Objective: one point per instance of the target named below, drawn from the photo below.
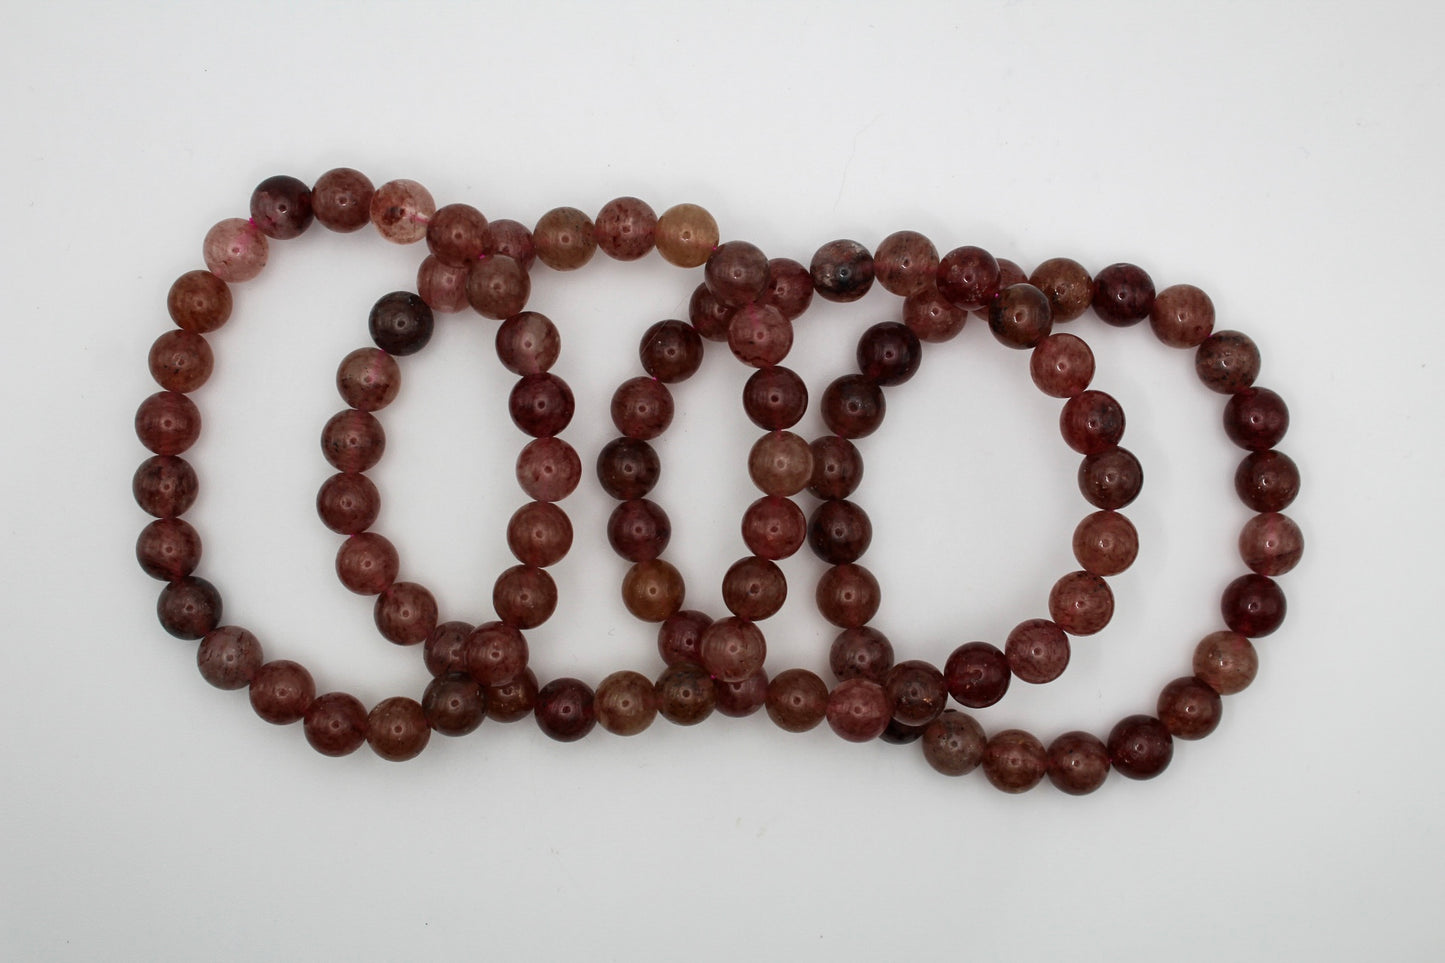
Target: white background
(1285, 157)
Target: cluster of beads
(749, 302)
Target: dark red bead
(628, 468)
(168, 548)
(512, 701)
(168, 423)
(368, 379)
(541, 405)
(737, 273)
(1066, 284)
(540, 534)
(710, 317)
(1061, 365)
(625, 703)
(889, 353)
(1081, 603)
(685, 694)
(495, 653)
(906, 262)
(1226, 662)
(1256, 418)
(229, 657)
(1267, 481)
(1271, 544)
(968, 277)
(739, 699)
(353, 441)
(454, 704)
(566, 709)
(548, 469)
(977, 674)
(759, 335)
(848, 596)
(626, 228)
(1227, 362)
(189, 607)
(406, 613)
(1110, 479)
(775, 398)
(180, 361)
(842, 271)
(165, 486)
(199, 302)
(282, 691)
(732, 649)
(1078, 763)
(954, 743)
(1015, 761)
(512, 240)
(335, 724)
(679, 638)
(790, 287)
(1123, 295)
(754, 588)
(933, 317)
(498, 286)
(1091, 422)
(1019, 317)
(1037, 651)
(1253, 605)
(1189, 708)
(528, 343)
(348, 503)
(456, 234)
(859, 710)
(839, 531)
(837, 467)
(853, 406)
(367, 563)
(1182, 316)
(797, 700)
(281, 207)
(565, 238)
(524, 596)
(341, 200)
(401, 323)
(861, 653)
(642, 408)
(445, 650)
(397, 729)
(916, 690)
(1140, 747)
(671, 351)
(653, 590)
(639, 530)
(1105, 543)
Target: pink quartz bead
(442, 286)
(235, 250)
(168, 423)
(732, 649)
(626, 230)
(1037, 651)
(180, 361)
(368, 379)
(1081, 603)
(341, 200)
(859, 710)
(1182, 316)
(1061, 365)
(528, 343)
(759, 335)
(548, 469)
(905, 263)
(367, 563)
(1271, 544)
(456, 235)
(1226, 661)
(401, 211)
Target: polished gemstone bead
(353, 441)
(639, 530)
(710, 317)
(679, 638)
(401, 323)
(405, 613)
(889, 354)
(842, 271)
(539, 534)
(977, 674)
(686, 235)
(341, 200)
(1140, 747)
(732, 649)
(743, 698)
(566, 709)
(1037, 651)
(1271, 544)
(1015, 761)
(229, 657)
(168, 423)
(1081, 603)
(1110, 479)
(1253, 605)
(397, 729)
(1256, 418)
(859, 710)
(445, 650)
(281, 691)
(837, 467)
(1189, 708)
(367, 563)
(189, 607)
(737, 273)
(456, 234)
(653, 590)
(797, 700)
(235, 250)
(548, 469)
(180, 361)
(839, 531)
(954, 743)
(168, 549)
(565, 238)
(1105, 543)
(1019, 317)
(401, 210)
(1226, 662)
(541, 405)
(775, 398)
(524, 596)
(528, 343)
(626, 230)
(642, 408)
(933, 317)
(906, 263)
(685, 694)
(780, 463)
(454, 704)
(861, 653)
(1267, 481)
(495, 654)
(512, 701)
(853, 406)
(968, 277)
(848, 596)
(335, 724)
(1078, 763)
(916, 691)
(281, 207)
(199, 302)
(1123, 295)
(348, 503)
(1066, 284)
(754, 588)
(1227, 362)
(1182, 316)
(625, 703)
(1091, 422)
(671, 351)
(759, 335)
(165, 486)
(790, 287)
(510, 239)
(368, 379)
(1061, 365)
(627, 468)
(498, 287)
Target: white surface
(1283, 156)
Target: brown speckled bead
(400, 323)
(671, 351)
(1037, 651)
(401, 209)
(1227, 362)
(954, 743)
(642, 408)
(454, 704)
(353, 441)
(732, 649)
(625, 703)
(1253, 605)
(685, 694)
(548, 469)
(626, 230)
(512, 700)
(916, 691)
(1267, 481)
(743, 698)
(905, 263)
(405, 613)
(842, 271)
(759, 335)
(1078, 763)
(524, 596)
(199, 302)
(235, 250)
(367, 563)
(189, 607)
(1081, 603)
(566, 709)
(1110, 479)
(933, 317)
(168, 549)
(754, 588)
(168, 423)
(775, 398)
(889, 354)
(797, 700)
(1271, 544)
(1140, 747)
(528, 343)
(627, 468)
(853, 406)
(710, 317)
(737, 273)
(1091, 422)
(445, 650)
(790, 287)
(774, 527)
(859, 710)
(1015, 761)
(639, 530)
(510, 239)
(837, 467)
(1182, 316)
(1123, 295)
(541, 405)
(839, 531)
(397, 729)
(565, 238)
(348, 503)
(1256, 418)
(653, 590)
(165, 486)
(1019, 317)
(1061, 366)
(968, 277)
(180, 361)
(229, 657)
(281, 207)
(368, 379)
(495, 654)
(686, 235)
(335, 724)
(780, 463)
(1066, 284)
(977, 674)
(282, 691)
(498, 287)
(679, 638)
(848, 596)
(861, 653)
(1105, 543)
(540, 534)
(1189, 708)
(456, 235)
(341, 200)
(1226, 662)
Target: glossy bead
(625, 703)
(839, 532)
(653, 590)
(548, 469)
(736, 273)
(889, 354)
(367, 563)
(1110, 479)
(954, 743)
(401, 210)
(1037, 651)
(759, 335)
(780, 463)
(1256, 418)
(353, 441)
(341, 200)
(454, 704)
(933, 317)
(848, 596)
(566, 709)
(189, 607)
(775, 398)
(229, 657)
(1061, 365)
(1267, 481)
(842, 271)
(740, 699)
(199, 302)
(859, 710)
(1105, 543)
(679, 638)
(754, 588)
(495, 654)
(368, 379)
(1014, 761)
(837, 467)
(180, 361)
(445, 650)
(1078, 763)
(861, 653)
(335, 724)
(282, 691)
(397, 729)
(1253, 605)
(235, 250)
(1123, 295)
(905, 263)
(400, 323)
(498, 287)
(853, 407)
(732, 649)
(524, 596)
(797, 700)
(1081, 603)
(510, 239)
(1227, 362)
(790, 287)
(773, 527)
(686, 235)
(916, 692)
(528, 343)
(626, 230)
(1226, 662)
(1189, 708)
(977, 674)
(565, 238)
(1091, 422)
(642, 408)
(968, 277)
(406, 613)
(1140, 747)
(442, 286)
(513, 700)
(1019, 317)
(897, 734)
(168, 423)
(1182, 316)
(685, 694)
(541, 405)
(539, 534)
(710, 317)
(639, 530)
(1271, 544)
(627, 468)
(456, 235)
(348, 503)
(671, 351)
(168, 549)
(1066, 284)
(281, 207)
(165, 486)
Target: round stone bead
(740, 699)
(679, 638)
(853, 406)
(1253, 605)
(281, 207)
(1140, 747)
(498, 287)
(282, 691)
(1110, 479)
(368, 379)
(686, 235)
(401, 210)
(642, 408)
(977, 674)
(653, 590)
(353, 441)
(933, 317)
(348, 503)
(1271, 544)
(1227, 362)
(165, 486)
(235, 250)
(199, 302)
(541, 405)
(510, 239)
(773, 527)
(406, 613)
(1256, 418)
(168, 423)
(837, 467)
(1267, 481)
(1226, 662)
(456, 234)
(1123, 295)
(906, 262)
(685, 694)
(1019, 317)
(732, 649)
(454, 704)
(524, 596)
(671, 351)
(566, 709)
(445, 650)
(180, 361)
(1105, 543)
(548, 469)
(842, 271)
(341, 200)
(710, 317)
(1037, 651)
(1061, 365)
(775, 398)
(1078, 763)
(528, 343)
(848, 596)
(1081, 603)
(1091, 422)
(639, 530)
(1014, 761)
(441, 286)
(1189, 708)
(1182, 316)
(790, 287)
(401, 323)
(495, 653)
(625, 703)
(797, 700)
(565, 238)
(367, 563)
(168, 549)
(189, 607)
(968, 277)
(229, 657)
(754, 588)
(861, 653)
(889, 354)
(954, 743)
(759, 335)
(916, 692)
(859, 710)
(839, 532)
(513, 701)
(737, 273)
(1068, 287)
(539, 534)
(397, 729)
(335, 724)
(626, 230)
(780, 463)
(627, 468)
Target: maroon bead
(189, 607)
(759, 335)
(401, 209)
(406, 613)
(1091, 422)
(861, 653)
(1182, 316)
(541, 405)
(954, 743)
(513, 700)
(281, 207)
(335, 724)
(1078, 763)
(495, 654)
(625, 703)
(168, 548)
(671, 351)
(229, 657)
(1081, 603)
(565, 238)
(639, 530)
(628, 468)
(775, 398)
(445, 650)
(566, 709)
(1037, 651)
(839, 532)
(1015, 761)
(977, 674)
(510, 239)
(626, 229)
(859, 710)
(1123, 295)
(539, 534)
(685, 694)
(710, 317)
(797, 700)
(889, 354)
(368, 379)
(790, 287)
(774, 527)
(165, 486)
(1061, 365)
(1226, 662)
(1227, 362)
(842, 271)
(397, 729)
(548, 469)
(1253, 605)
(199, 302)
(454, 705)
(679, 638)
(1271, 544)
(1066, 284)
(916, 691)
(739, 699)
(400, 323)
(180, 361)
(737, 273)
(353, 441)
(168, 423)
(780, 463)
(341, 200)
(1105, 543)
(528, 343)
(897, 734)
(1019, 317)
(653, 590)
(732, 649)
(498, 287)
(642, 408)
(1140, 747)
(282, 691)
(441, 286)
(853, 406)
(456, 234)
(1009, 274)
(1256, 418)
(933, 317)
(524, 596)
(1266, 481)
(367, 563)
(848, 596)
(1110, 479)
(348, 503)
(906, 262)
(754, 588)
(1189, 708)
(968, 277)
(837, 467)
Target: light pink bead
(235, 250)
